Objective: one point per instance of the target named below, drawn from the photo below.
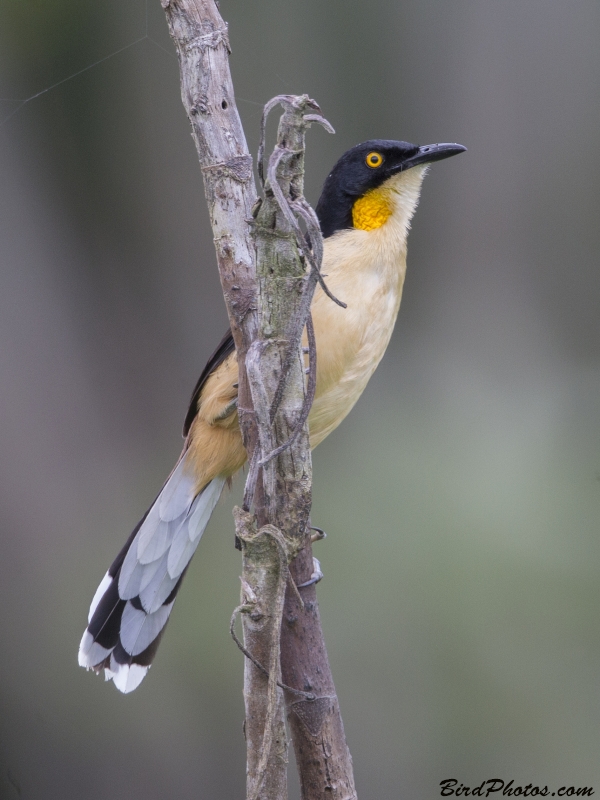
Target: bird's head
(375, 179)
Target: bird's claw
(317, 535)
(316, 576)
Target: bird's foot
(318, 534)
(316, 576)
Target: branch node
(313, 713)
(204, 41)
(238, 168)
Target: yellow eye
(374, 160)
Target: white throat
(403, 192)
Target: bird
(364, 212)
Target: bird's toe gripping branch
(317, 573)
(316, 576)
(318, 535)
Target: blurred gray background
(461, 602)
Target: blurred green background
(462, 594)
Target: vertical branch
(201, 40)
(287, 278)
(322, 755)
(283, 484)
(202, 44)
(268, 309)
(264, 579)
(284, 295)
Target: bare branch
(265, 555)
(322, 755)
(308, 399)
(275, 369)
(202, 44)
(269, 270)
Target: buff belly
(350, 345)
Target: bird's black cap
(366, 166)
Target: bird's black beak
(431, 152)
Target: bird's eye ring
(374, 160)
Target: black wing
(223, 351)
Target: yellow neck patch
(371, 211)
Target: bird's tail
(132, 604)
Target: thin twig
(321, 120)
(299, 205)
(280, 98)
(251, 480)
(243, 609)
(310, 247)
(306, 212)
(295, 590)
(288, 209)
(308, 398)
(260, 401)
(286, 100)
(314, 237)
